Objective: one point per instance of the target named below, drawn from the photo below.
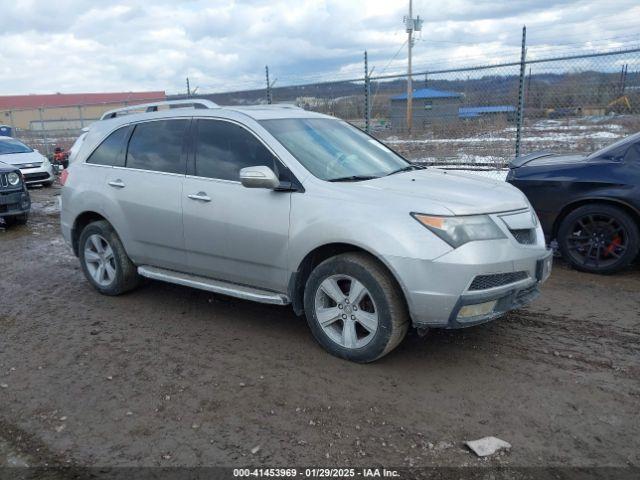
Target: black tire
(393, 315)
(16, 219)
(614, 254)
(126, 277)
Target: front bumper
(436, 290)
(42, 174)
(14, 203)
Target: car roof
(246, 113)
(253, 112)
(9, 140)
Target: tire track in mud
(563, 341)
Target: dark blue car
(589, 204)
(15, 202)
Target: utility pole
(269, 99)
(520, 113)
(188, 89)
(412, 24)
(367, 95)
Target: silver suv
(279, 205)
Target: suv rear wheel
(104, 260)
(598, 238)
(354, 307)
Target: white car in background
(35, 167)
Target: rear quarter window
(110, 151)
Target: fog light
(477, 310)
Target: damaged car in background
(588, 204)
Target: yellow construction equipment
(619, 105)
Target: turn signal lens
(426, 220)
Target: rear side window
(223, 148)
(110, 150)
(157, 146)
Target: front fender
(383, 231)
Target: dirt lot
(167, 375)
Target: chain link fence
(462, 118)
(580, 103)
(46, 129)
(468, 118)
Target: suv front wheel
(354, 307)
(104, 260)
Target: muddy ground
(171, 376)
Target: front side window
(333, 150)
(223, 148)
(11, 145)
(109, 152)
(616, 149)
(157, 146)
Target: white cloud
(83, 45)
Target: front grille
(483, 282)
(4, 182)
(10, 207)
(31, 177)
(524, 236)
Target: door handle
(201, 196)
(117, 183)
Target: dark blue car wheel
(598, 238)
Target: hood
(22, 158)
(546, 158)
(432, 191)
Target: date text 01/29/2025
(315, 472)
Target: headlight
(457, 231)
(13, 178)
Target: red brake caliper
(614, 243)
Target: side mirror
(259, 177)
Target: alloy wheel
(346, 311)
(99, 259)
(597, 240)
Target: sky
(73, 46)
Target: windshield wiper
(408, 168)
(353, 178)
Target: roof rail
(153, 107)
(262, 106)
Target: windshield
(611, 150)
(11, 145)
(334, 150)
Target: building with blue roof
(507, 111)
(428, 93)
(429, 106)
(433, 106)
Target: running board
(215, 286)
